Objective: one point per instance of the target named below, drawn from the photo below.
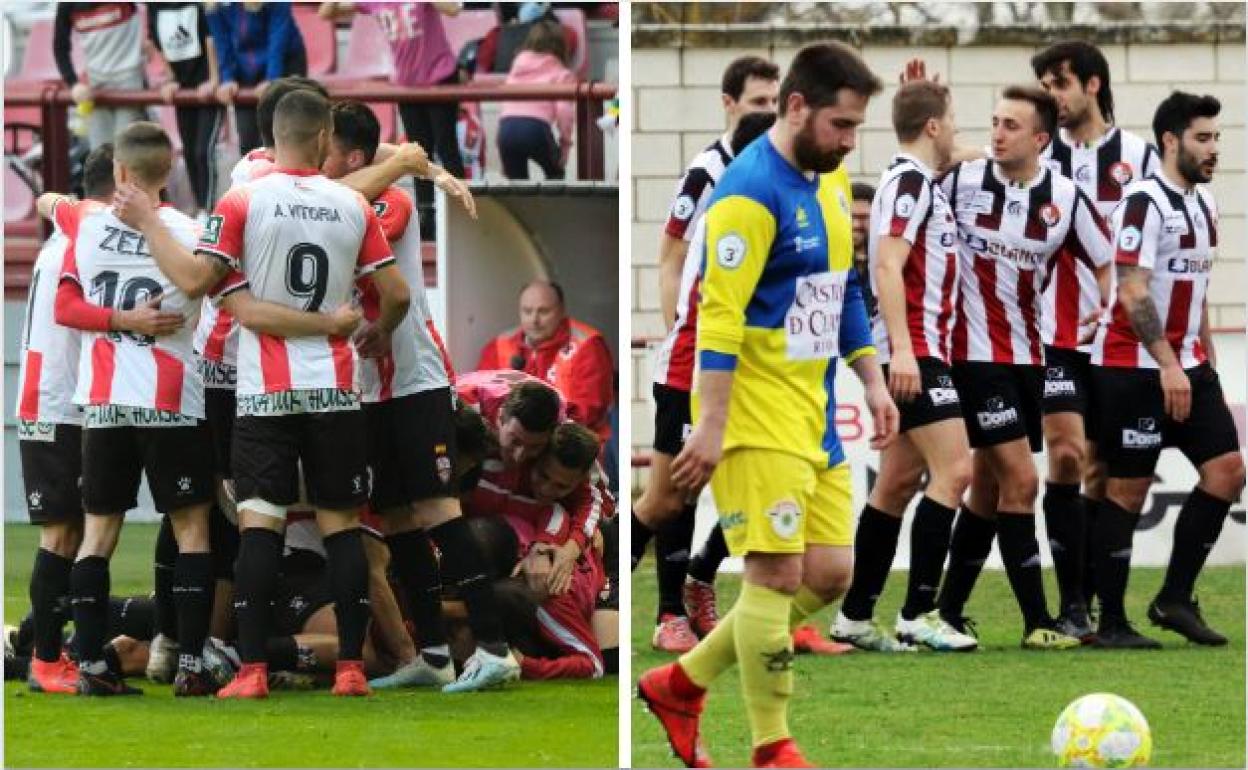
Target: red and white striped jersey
(1102, 170)
(1009, 235)
(111, 263)
(673, 366)
(693, 191)
(487, 389)
(1172, 232)
(297, 239)
(508, 492)
(252, 166)
(415, 361)
(49, 352)
(909, 205)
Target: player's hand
(226, 92)
(207, 88)
(81, 92)
(1177, 390)
(260, 88)
(457, 190)
(885, 421)
(916, 69)
(414, 158)
(344, 320)
(372, 341)
(904, 382)
(133, 206)
(693, 467)
(563, 562)
(167, 91)
(1089, 324)
(148, 319)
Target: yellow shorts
(775, 502)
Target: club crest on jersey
(802, 219)
(785, 518)
(730, 251)
(1083, 173)
(1050, 215)
(212, 229)
(682, 209)
(1121, 172)
(905, 205)
(1129, 239)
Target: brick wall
(675, 83)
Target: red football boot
(700, 604)
(673, 634)
(251, 681)
(349, 679)
(61, 675)
(807, 640)
(677, 713)
(781, 753)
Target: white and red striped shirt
(508, 492)
(909, 205)
(1009, 236)
(1102, 170)
(693, 191)
(415, 362)
(111, 263)
(297, 239)
(1172, 232)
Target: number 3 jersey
(115, 269)
(780, 302)
(298, 239)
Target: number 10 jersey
(298, 239)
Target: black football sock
(255, 583)
(875, 545)
(704, 565)
(929, 545)
(1063, 520)
(1021, 553)
(49, 600)
(463, 566)
(671, 561)
(192, 591)
(416, 566)
(1195, 533)
(1090, 510)
(348, 580)
(1115, 529)
(285, 654)
(969, 546)
(166, 563)
(88, 590)
(641, 538)
(223, 537)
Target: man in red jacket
(568, 354)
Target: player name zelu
(122, 241)
(309, 213)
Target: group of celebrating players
(1046, 291)
(277, 377)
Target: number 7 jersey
(298, 239)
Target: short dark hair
(473, 438)
(1085, 60)
(916, 103)
(356, 128)
(574, 446)
(751, 126)
(1045, 104)
(535, 405)
(273, 94)
(97, 173)
(744, 68)
(1177, 112)
(299, 115)
(145, 150)
(820, 71)
(863, 191)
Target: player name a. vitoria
(309, 213)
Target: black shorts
(609, 596)
(302, 589)
(1068, 382)
(51, 471)
(1001, 402)
(937, 401)
(411, 448)
(1133, 428)
(177, 461)
(267, 452)
(672, 420)
(220, 406)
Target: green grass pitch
(991, 708)
(535, 724)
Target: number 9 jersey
(301, 240)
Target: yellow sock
(714, 655)
(765, 655)
(805, 603)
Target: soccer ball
(1102, 730)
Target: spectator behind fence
(568, 354)
(525, 128)
(183, 45)
(256, 43)
(111, 37)
(422, 57)
(500, 45)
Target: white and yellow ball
(1102, 730)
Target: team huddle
(1047, 291)
(335, 499)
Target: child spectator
(111, 37)
(525, 129)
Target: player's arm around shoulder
(191, 271)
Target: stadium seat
(574, 19)
(368, 53)
(39, 63)
(318, 39)
(466, 27)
